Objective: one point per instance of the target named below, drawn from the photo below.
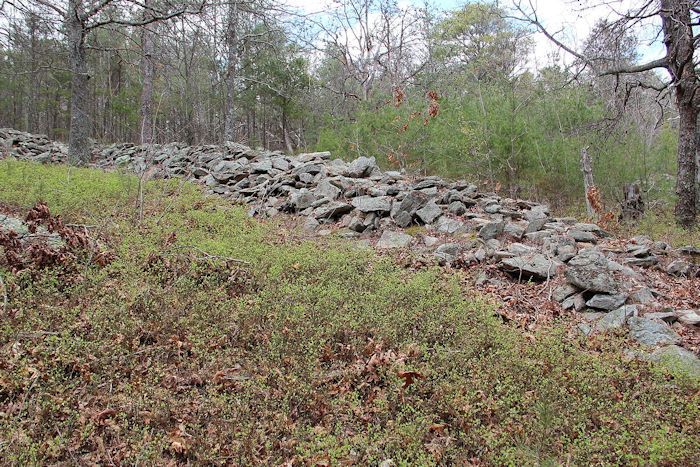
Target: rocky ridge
(613, 284)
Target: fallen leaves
(409, 377)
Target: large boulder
(678, 359)
(648, 332)
(589, 271)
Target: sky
(569, 20)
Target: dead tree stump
(633, 205)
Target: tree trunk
(232, 59)
(78, 144)
(147, 39)
(687, 154)
(633, 206)
(587, 178)
(697, 162)
(678, 38)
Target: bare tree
(79, 19)
(678, 18)
(147, 39)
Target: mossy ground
(310, 354)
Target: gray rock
(391, 239)
(361, 167)
(280, 163)
(688, 317)
(677, 359)
(616, 318)
(403, 219)
(563, 291)
(262, 166)
(309, 168)
(326, 189)
(491, 230)
(552, 245)
(429, 212)
(311, 224)
(588, 228)
(583, 236)
(457, 208)
(413, 202)
(430, 241)
(428, 182)
(646, 262)
(518, 249)
(678, 268)
(643, 296)
(667, 316)
(306, 178)
(535, 225)
(537, 212)
(539, 236)
(648, 332)
(448, 251)
(492, 209)
(537, 266)
(514, 230)
(448, 226)
(607, 302)
(302, 199)
(332, 210)
(356, 224)
(381, 205)
(589, 271)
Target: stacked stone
(452, 221)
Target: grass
(312, 353)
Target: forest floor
(180, 331)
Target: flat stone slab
(391, 239)
(537, 266)
(606, 301)
(381, 204)
(332, 210)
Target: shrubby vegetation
(307, 353)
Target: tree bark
(678, 38)
(147, 40)
(232, 63)
(685, 183)
(587, 178)
(78, 143)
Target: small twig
(26, 395)
(207, 255)
(84, 226)
(4, 295)
(60, 435)
(172, 200)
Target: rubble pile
(613, 284)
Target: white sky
(569, 20)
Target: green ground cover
(306, 353)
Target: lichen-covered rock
(648, 332)
(391, 239)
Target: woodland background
(448, 92)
